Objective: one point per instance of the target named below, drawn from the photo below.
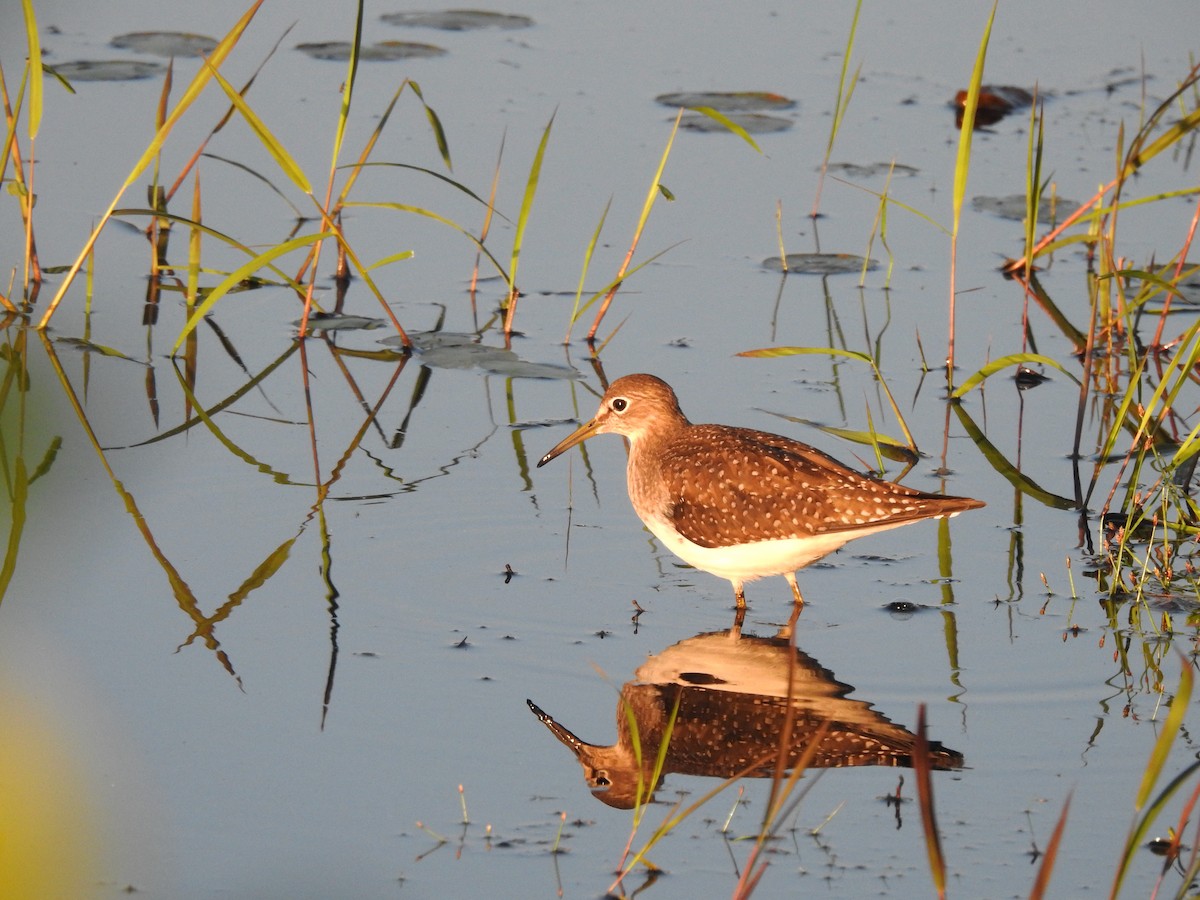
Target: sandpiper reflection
(732, 694)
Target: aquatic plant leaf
(384, 51)
(727, 101)
(870, 170)
(752, 123)
(166, 44)
(320, 321)
(107, 69)
(1012, 206)
(457, 20)
(455, 350)
(820, 264)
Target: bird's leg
(791, 579)
(739, 617)
(739, 595)
(789, 629)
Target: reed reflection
(730, 699)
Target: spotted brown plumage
(739, 503)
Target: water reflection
(730, 700)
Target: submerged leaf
(868, 170)
(820, 264)
(166, 44)
(727, 101)
(384, 51)
(320, 321)
(1050, 210)
(453, 350)
(752, 123)
(457, 19)
(107, 69)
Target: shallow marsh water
(237, 691)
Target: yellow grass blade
(284, 159)
(35, 68)
(1015, 359)
(234, 278)
(198, 83)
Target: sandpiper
(739, 503)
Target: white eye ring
(619, 404)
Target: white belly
(746, 562)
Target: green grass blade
(457, 185)
(1033, 178)
(773, 352)
(219, 235)
(1014, 359)
(962, 164)
(651, 195)
(34, 45)
(348, 87)
(1162, 747)
(1005, 468)
(439, 133)
(388, 260)
(612, 285)
(587, 262)
(840, 105)
(430, 214)
(1154, 767)
(234, 278)
(531, 184)
(894, 202)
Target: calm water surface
(225, 686)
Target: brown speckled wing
(734, 486)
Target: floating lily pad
(164, 43)
(855, 170)
(108, 69)
(452, 350)
(820, 264)
(1050, 210)
(457, 20)
(384, 51)
(754, 123)
(340, 322)
(727, 101)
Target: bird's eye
(620, 404)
